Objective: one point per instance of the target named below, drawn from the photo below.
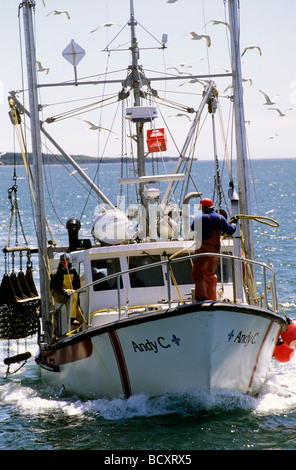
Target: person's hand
(66, 294)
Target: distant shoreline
(10, 158)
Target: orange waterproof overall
(203, 270)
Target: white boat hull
(206, 347)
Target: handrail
(168, 262)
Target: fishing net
(19, 320)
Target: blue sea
(34, 417)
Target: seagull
(193, 80)
(186, 64)
(105, 25)
(228, 88)
(94, 127)
(252, 47)
(2, 153)
(75, 171)
(41, 68)
(180, 115)
(59, 12)
(243, 80)
(282, 114)
(215, 22)
(269, 101)
(180, 72)
(201, 36)
(273, 136)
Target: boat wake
(27, 394)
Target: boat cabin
(117, 280)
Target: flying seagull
(243, 80)
(186, 64)
(215, 22)
(41, 68)
(105, 25)
(180, 115)
(268, 101)
(282, 114)
(59, 12)
(94, 127)
(273, 136)
(201, 36)
(193, 80)
(180, 72)
(252, 47)
(75, 171)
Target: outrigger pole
(37, 166)
(241, 146)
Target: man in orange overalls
(203, 271)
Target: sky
(268, 24)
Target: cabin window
(224, 269)
(147, 277)
(102, 268)
(81, 273)
(182, 271)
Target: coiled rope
(259, 218)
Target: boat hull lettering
(151, 345)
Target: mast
(136, 79)
(241, 147)
(28, 5)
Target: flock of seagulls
(194, 36)
(272, 101)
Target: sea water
(34, 417)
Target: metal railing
(245, 289)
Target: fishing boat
(142, 329)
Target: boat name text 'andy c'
(243, 338)
(154, 346)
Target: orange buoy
(289, 336)
(282, 352)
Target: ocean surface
(34, 417)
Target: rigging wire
(207, 48)
(83, 109)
